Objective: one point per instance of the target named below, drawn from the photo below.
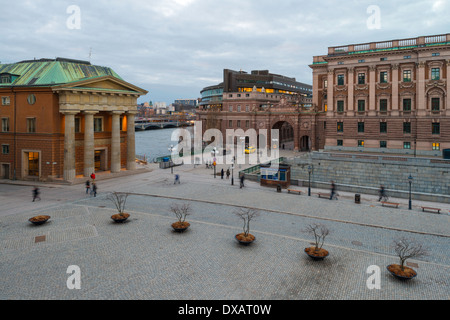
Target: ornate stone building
(65, 118)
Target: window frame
(31, 124)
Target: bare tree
(247, 215)
(181, 211)
(407, 248)
(320, 232)
(119, 199)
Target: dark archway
(305, 143)
(286, 135)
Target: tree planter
(180, 226)
(405, 274)
(120, 217)
(245, 240)
(316, 254)
(38, 220)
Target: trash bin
(278, 188)
(357, 198)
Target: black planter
(120, 220)
(37, 223)
(183, 229)
(399, 276)
(314, 257)
(245, 243)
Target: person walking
(177, 179)
(242, 181)
(228, 173)
(36, 194)
(88, 186)
(333, 191)
(222, 173)
(382, 193)
(94, 189)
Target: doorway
(100, 160)
(5, 171)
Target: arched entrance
(286, 135)
(305, 143)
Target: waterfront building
(63, 118)
(390, 96)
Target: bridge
(142, 125)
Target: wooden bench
(295, 191)
(390, 204)
(324, 195)
(431, 209)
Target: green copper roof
(47, 72)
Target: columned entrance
(101, 163)
(286, 135)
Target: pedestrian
(382, 193)
(333, 191)
(94, 189)
(36, 194)
(93, 176)
(242, 181)
(88, 186)
(228, 173)
(222, 173)
(177, 179)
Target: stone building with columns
(388, 97)
(62, 119)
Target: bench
(295, 191)
(324, 195)
(390, 204)
(431, 209)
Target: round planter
(180, 226)
(119, 218)
(319, 255)
(245, 240)
(399, 276)
(38, 220)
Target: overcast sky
(174, 48)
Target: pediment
(105, 83)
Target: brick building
(64, 118)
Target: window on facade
(361, 105)
(361, 61)
(340, 143)
(436, 146)
(383, 144)
(5, 79)
(230, 108)
(383, 59)
(31, 99)
(239, 123)
(435, 74)
(436, 128)
(383, 77)
(435, 104)
(230, 123)
(340, 79)
(407, 127)
(31, 125)
(247, 123)
(238, 108)
(406, 57)
(406, 75)
(324, 125)
(340, 127)
(5, 124)
(77, 125)
(435, 54)
(5, 101)
(5, 148)
(360, 127)
(360, 143)
(361, 78)
(383, 127)
(406, 104)
(383, 105)
(340, 106)
(247, 108)
(325, 83)
(98, 124)
(406, 145)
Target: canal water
(155, 143)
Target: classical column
(330, 93)
(131, 144)
(394, 102)
(89, 151)
(372, 91)
(420, 103)
(351, 93)
(115, 142)
(446, 104)
(69, 145)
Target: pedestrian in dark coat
(222, 173)
(242, 181)
(228, 173)
(88, 186)
(36, 194)
(94, 189)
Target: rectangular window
(383, 59)
(435, 104)
(406, 57)
(435, 74)
(247, 108)
(5, 124)
(239, 123)
(230, 108)
(406, 75)
(407, 127)
(406, 145)
(340, 127)
(77, 125)
(383, 127)
(383, 105)
(361, 78)
(406, 104)
(340, 79)
(238, 108)
(5, 148)
(5, 79)
(360, 127)
(383, 144)
(436, 128)
(324, 125)
(247, 123)
(383, 77)
(5, 101)
(340, 106)
(230, 123)
(340, 143)
(98, 124)
(435, 54)
(361, 61)
(31, 125)
(436, 146)
(361, 105)
(361, 143)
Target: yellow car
(249, 150)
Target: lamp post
(410, 180)
(170, 163)
(232, 174)
(214, 163)
(309, 184)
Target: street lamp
(214, 163)
(232, 174)
(170, 163)
(410, 180)
(309, 185)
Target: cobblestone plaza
(144, 259)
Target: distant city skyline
(175, 48)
